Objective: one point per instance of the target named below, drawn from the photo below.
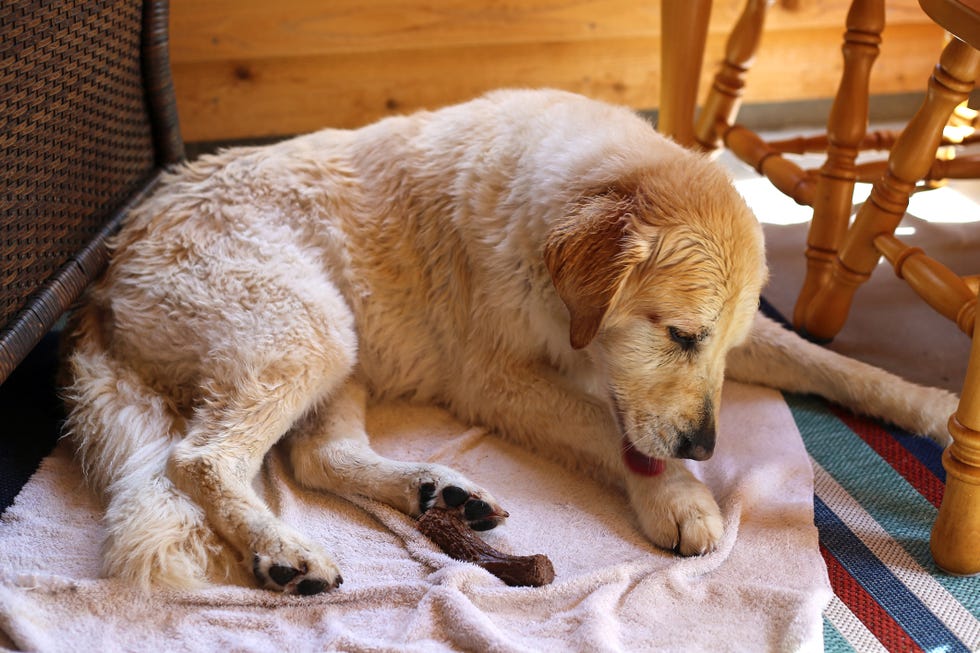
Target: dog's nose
(698, 443)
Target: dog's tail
(778, 357)
(123, 432)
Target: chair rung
(948, 293)
(789, 178)
(876, 140)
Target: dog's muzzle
(698, 443)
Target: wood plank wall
(249, 68)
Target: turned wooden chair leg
(956, 533)
(910, 160)
(684, 31)
(955, 541)
(846, 127)
(725, 96)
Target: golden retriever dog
(536, 262)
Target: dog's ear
(589, 254)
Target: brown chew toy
(448, 530)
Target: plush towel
(763, 589)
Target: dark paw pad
(455, 496)
(312, 586)
(427, 496)
(289, 579)
(477, 509)
(281, 574)
(479, 514)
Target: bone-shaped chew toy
(451, 533)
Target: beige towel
(763, 589)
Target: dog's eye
(687, 341)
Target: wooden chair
(87, 123)
(841, 256)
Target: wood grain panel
(243, 69)
(292, 95)
(216, 30)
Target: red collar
(639, 463)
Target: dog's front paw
(677, 512)
(288, 565)
(477, 506)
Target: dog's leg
(330, 451)
(777, 357)
(123, 433)
(228, 437)
(675, 510)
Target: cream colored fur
(537, 262)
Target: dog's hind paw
(478, 508)
(301, 579)
(294, 568)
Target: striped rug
(877, 491)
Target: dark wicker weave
(87, 121)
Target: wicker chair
(87, 123)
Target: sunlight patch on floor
(946, 205)
(769, 205)
(952, 204)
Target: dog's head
(661, 274)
